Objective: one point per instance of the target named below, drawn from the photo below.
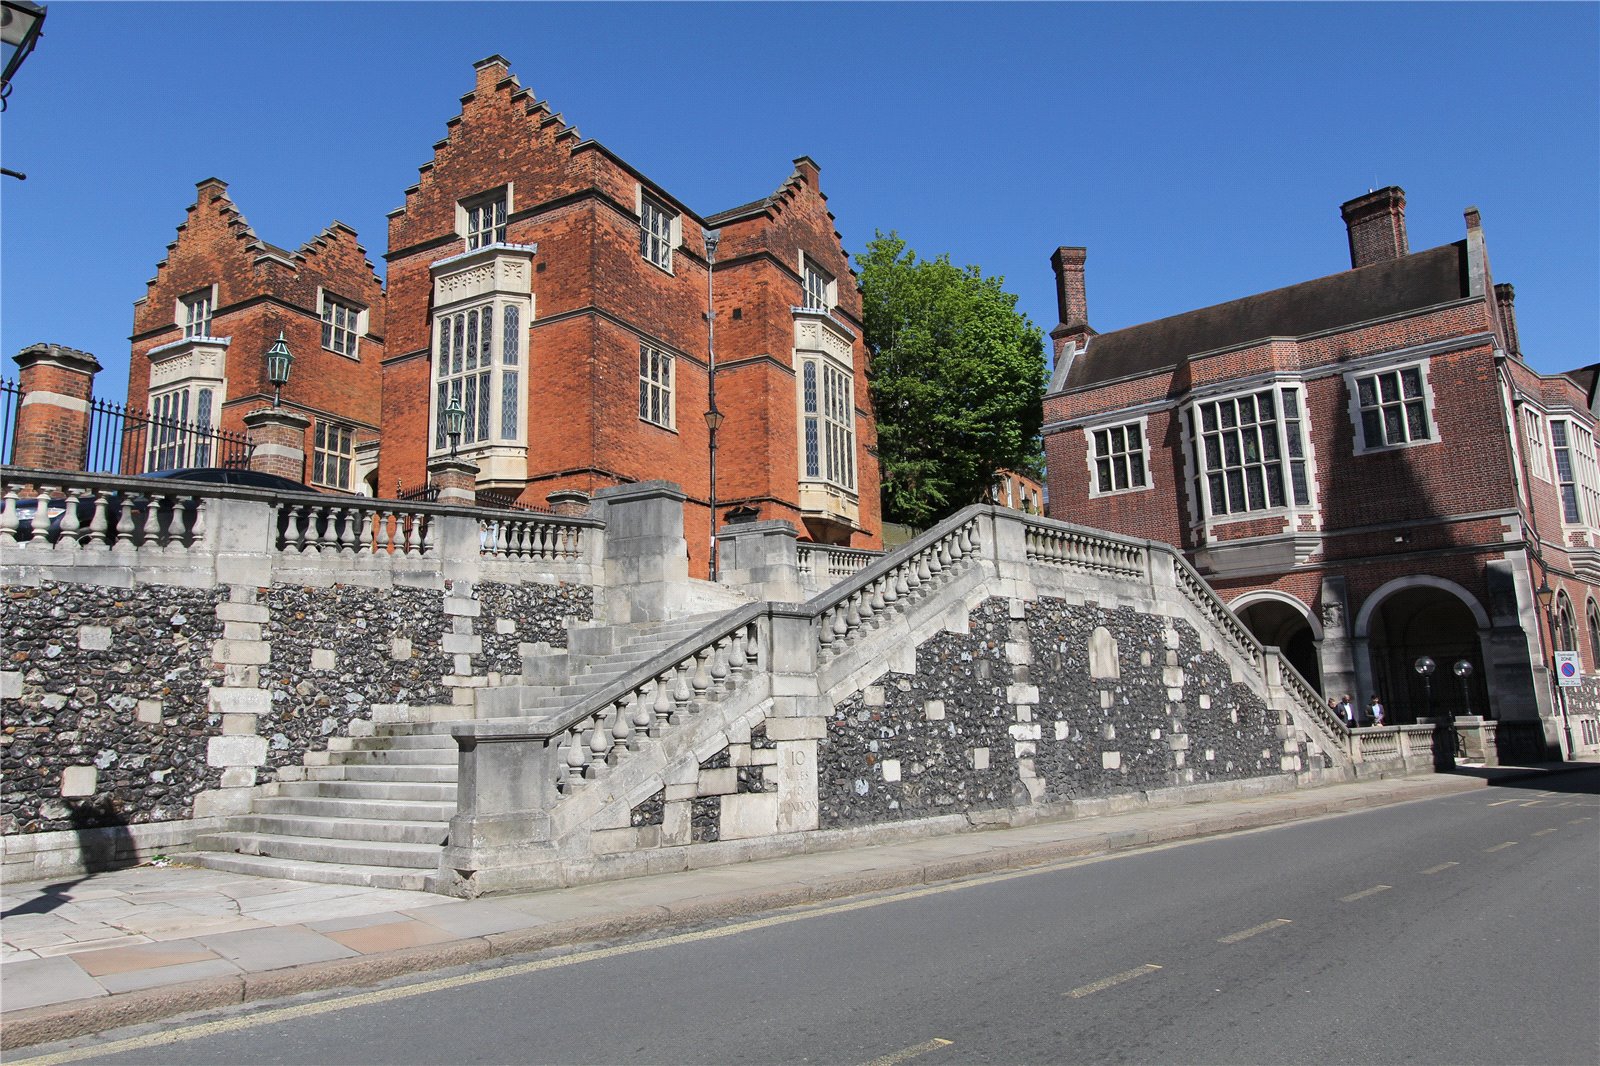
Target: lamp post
(279, 359)
(1463, 670)
(1546, 597)
(21, 26)
(455, 423)
(1444, 727)
(713, 415)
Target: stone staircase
(375, 810)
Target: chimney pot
(1376, 224)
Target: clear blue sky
(1199, 151)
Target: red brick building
(1362, 465)
(558, 296)
(218, 301)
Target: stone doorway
(1424, 620)
(1286, 627)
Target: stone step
(369, 809)
(438, 755)
(314, 849)
(424, 729)
(403, 772)
(370, 790)
(392, 831)
(392, 741)
(317, 872)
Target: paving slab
(391, 936)
(475, 918)
(138, 980)
(141, 957)
(40, 982)
(275, 947)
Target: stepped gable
(1396, 286)
(773, 206)
(334, 236)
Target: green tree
(957, 379)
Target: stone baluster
(643, 715)
(69, 517)
(719, 664)
(864, 609)
(736, 659)
(682, 690)
(841, 622)
(576, 758)
(752, 645)
(702, 673)
(124, 531)
(622, 729)
(99, 524)
(150, 528)
(425, 544)
(8, 517)
(600, 742)
(40, 530)
(663, 706)
(347, 529)
(825, 630)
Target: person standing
(1375, 710)
(1347, 710)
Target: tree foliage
(957, 380)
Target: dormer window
(818, 286)
(656, 224)
(484, 219)
(341, 325)
(194, 313)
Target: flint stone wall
(1012, 713)
(337, 651)
(513, 615)
(113, 681)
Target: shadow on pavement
(1573, 778)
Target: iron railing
(10, 405)
(124, 440)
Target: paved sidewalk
(135, 945)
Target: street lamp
(278, 360)
(21, 25)
(1444, 727)
(1463, 670)
(713, 416)
(455, 423)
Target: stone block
(1017, 609)
(749, 815)
(222, 802)
(1111, 760)
(463, 664)
(400, 648)
(324, 659)
(797, 728)
(225, 701)
(1205, 701)
(677, 792)
(980, 758)
(1019, 651)
(933, 710)
(242, 652)
(1178, 742)
(723, 782)
(462, 644)
(238, 777)
(243, 612)
(890, 768)
(236, 751)
(1025, 731)
(873, 696)
(1106, 699)
(241, 630)
(79, 781)
(94, 638)
(675, 825)
(10, 684)
(1022, 694)
(462, 606)
(796, 775)
(241, 676)
(238, 725)
(1108, 732)
(149, 712)
(1172, 676)
(1063, 730)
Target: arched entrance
(1282, 623)
(1427, 617)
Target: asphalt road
(1464, 929)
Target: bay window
(1249, 453)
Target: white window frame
(658, 387)
(333, 446)
(1406, 403)
(1107, 433)
(354, 324)
(825, 395)
(1574, 442)
(819, 291)
(1288, 449)
(470, 220)
(1533, 436)
(196, 311)
(182, 427)
(660, 230)
(497, 405)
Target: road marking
(1245, 934)
(1575, 821)
(1502, 803)
(1364, 893)
(1544, 832)
(1107, 982)
(911, 1052)
(1533, 803)
(1500, 847)
(1549, 793)
(1441, 868)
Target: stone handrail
(1197, 592)
(532, 535)
(1299, 688)
(832, 561)
(99, 511)
(1076, 548)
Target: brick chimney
(1505, 302)
(1377, 226)
(56, 387)
(1072, 301)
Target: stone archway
(1406, 620)
(1284, 623)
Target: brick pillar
(1377, 226)
(457, 480)
(569, 503)
(1505, 299)
(53, 418)
(277, 442)
(1072, 298)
